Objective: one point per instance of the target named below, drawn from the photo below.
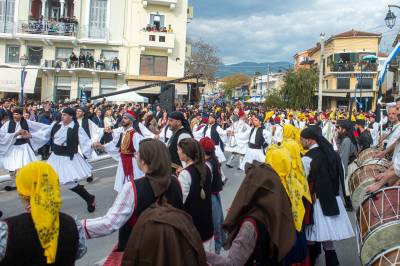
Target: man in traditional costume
(216, 133)
(327, 220)
(237, 145)
(16, 145)
(122, 148)
(92, 130)
(181, 130)
(67, 137)
(258, 139)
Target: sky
(274, 30)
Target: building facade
(117, 42)
(265, 85)
(345, 74)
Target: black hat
(83, 109)
(69, 111)
(177, 116)
(18, 110)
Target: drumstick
(175, 166)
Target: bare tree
(203, 60)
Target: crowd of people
(291, 204)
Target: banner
(10, 80)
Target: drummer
(394, 134)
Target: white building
(48, 31)
(266, 84)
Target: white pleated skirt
(252, 155)
(239, 148)
(70, 170)
(220, 154)
(329, 228)
(121, 179)
(18, 156)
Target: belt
(20, 142)
(254, 146)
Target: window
(12, 54)
(86, 85)
(63, 53)
(153, 65)
(161, 39)
(63, 88)
(7, 10)
(109, 55)
(35, 55)
(108, 85)
(365, 84)
(98, 19)
(343, 83)
(157, 20)
(152, 38)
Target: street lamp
(23, 60)
(390, 18)
(57, 69)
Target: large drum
(366, 155)
(360, 179)
(389, 257)
(378, 221)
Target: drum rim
(391, 223)
(378, 191)
(383, 252)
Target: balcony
(93, 33)
(170, 3)
(51, 28)
(157, 40)
(353, 67)
(97, 66)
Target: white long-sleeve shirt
(119, 213)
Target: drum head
(383, 238)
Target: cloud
(255, 30)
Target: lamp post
(23, 60)
(390, 18)
(57, 69)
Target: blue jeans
(218, 219)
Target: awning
(127, 97)
(10, 80)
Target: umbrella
(370, 57)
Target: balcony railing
(353, 67)
(157, 40)
(47, 28)
(170, 3)
(68, 64)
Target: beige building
(120, 41)
(344, 73)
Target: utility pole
(268, 69)
(321, 72)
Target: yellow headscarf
(280, 160)
(38, 183)
(294, 148)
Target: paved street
(102, 187)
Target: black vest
(11, 129)
(85, 126)
(214, 136)
(199, 209)
(173, 146)
(216, 184)
(325, 186)
(72, 141)
(136, 126)
(24, 248)
(144, 198)
(262, 254)
(259, 140)
(165, 134)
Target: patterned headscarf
(38, 183)
(279, 158)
